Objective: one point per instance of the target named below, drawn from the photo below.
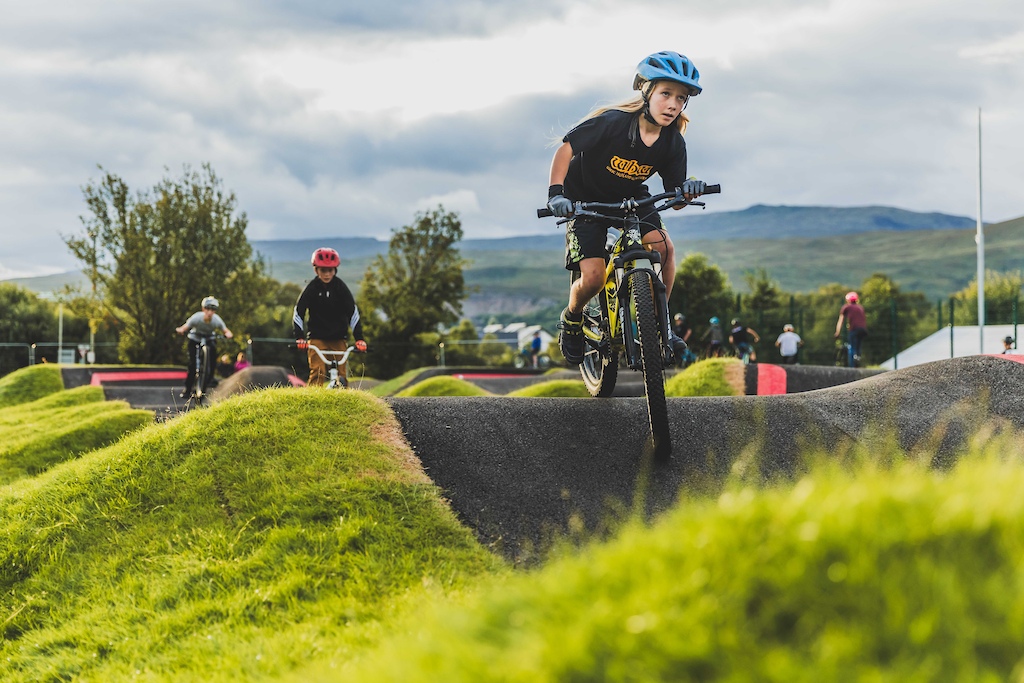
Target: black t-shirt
(608, 166)
(739, 336)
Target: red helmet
(851, 297)
(325, 257)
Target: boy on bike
(202, 324)
(740, 336)
(332, 312)
(607, 157)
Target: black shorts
(586, 237)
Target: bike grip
(544, 213)
(712, 189)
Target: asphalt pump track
(522, 472)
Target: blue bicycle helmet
(713, 321)
(667, 66)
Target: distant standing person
(1008, 345)
(535, 345)
(332, 313)
(856, 326)
(788, 343)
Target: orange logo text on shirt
(630, 168)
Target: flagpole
(980, 239)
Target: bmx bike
(333, 360)
(202, 368)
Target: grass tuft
(897, 573)
(392, 386)
(711, 377)
(28, 384)
(442, 385)
(555, 388)
(225, 546)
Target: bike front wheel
(652, 360)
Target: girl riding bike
(608, 156)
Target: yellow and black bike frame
(628, 255)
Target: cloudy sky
(332, 118)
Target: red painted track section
(771, 380)
(100, 378)
(1007, 356)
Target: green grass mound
(28, 384)
(392, 386)
(555, 388)
(902, 575)
(36, 436)
(711, 377)
(442, 385)
(225, 546)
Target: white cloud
(462, 201)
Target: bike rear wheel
(600, 368)
(652, 358)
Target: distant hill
(774, 222)
(760, 221)
(802, 248)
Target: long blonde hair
(631, 106)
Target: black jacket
(332, 312)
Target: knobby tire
(652, 359)
(599, 370)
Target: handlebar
(334, 355)
(594, 208)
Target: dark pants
(856, 339)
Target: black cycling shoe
(678, 345)
(570, 338)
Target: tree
(24, 319)
(701, 290)
(412, 291)
(1002, 296)
(155, 255)
(765, 293)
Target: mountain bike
(202, 368)
(333, 360)
(630, 316)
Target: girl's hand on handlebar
(560, 206)
(693, 188)
(360, 346)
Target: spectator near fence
(789, 343)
